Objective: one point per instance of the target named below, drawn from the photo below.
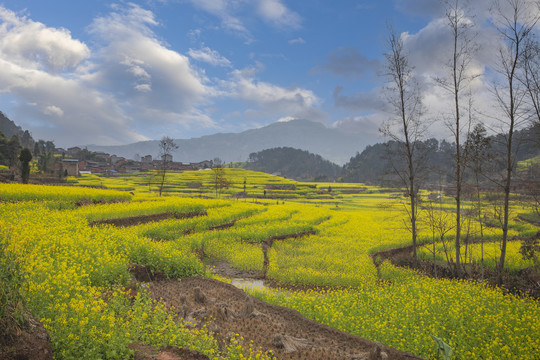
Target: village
(76, 161)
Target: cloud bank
(129, 85)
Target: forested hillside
(293, 163)
(373, 165)
(10, 129)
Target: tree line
(373, 165)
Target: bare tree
(166, 147)
(219, 179)
(476, 150)
(439, 224)
(515, 21)
(456, 83)
(404, 127)
(530, 76)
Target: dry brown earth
(227, 310)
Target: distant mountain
(332, 144)
(9, 128)
(292, 163)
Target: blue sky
(102, 72)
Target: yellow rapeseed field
(75, 272)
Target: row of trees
(11, 147)
(9, 150)
(516, 91)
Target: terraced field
(80, 252)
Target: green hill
(292, 163)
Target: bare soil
(227, 310)
(143, 219)
(30, 343)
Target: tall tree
(476, 150)
(515, 21)
(14, 149)
(44, 152)
(404, 126)
(25, 157)
(166, 147)
(456, 83)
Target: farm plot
(76, 274)
(75, 277)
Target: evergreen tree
(25, 157)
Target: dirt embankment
(227, 310)
(143, 219)
(525, 281)
(30, 343)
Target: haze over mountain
(332, 144)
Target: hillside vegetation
(292, 163)
(373, 165)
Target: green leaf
(443, 349)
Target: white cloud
(80, 113)
(225, 11)
(143, 87)
(36, 46)
(135, 63)
(274, 12)
(298, 40)
(287, 119)
(53, 110)
(430, 50)
(209, 56)
(130, 85)
(194, 34)
(278, 14)
(272, 100)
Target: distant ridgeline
(9, 129)
(12, 140)
(373, 165)
(295, 164)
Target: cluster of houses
(76, 161)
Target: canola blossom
(75, 268)
(74, 277)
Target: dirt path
(227, 310)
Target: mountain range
(332, 144)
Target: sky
(117, 72)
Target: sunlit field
(74, 263)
